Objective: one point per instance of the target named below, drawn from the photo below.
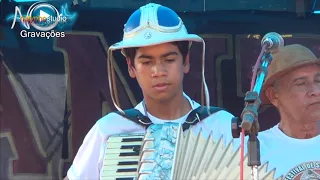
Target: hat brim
(264, 99)
(154, 38)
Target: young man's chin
(162, 97)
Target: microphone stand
(249, 117)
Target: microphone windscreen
(274, 42)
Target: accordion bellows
(165, 152)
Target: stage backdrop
(53, 91)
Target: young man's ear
(130, 68)
(186, 64)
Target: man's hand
(66, 178)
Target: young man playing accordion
(156, 46)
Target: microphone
(273, 42)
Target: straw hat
(289, 58)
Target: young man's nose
(158, 70)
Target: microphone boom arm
(252, 100)
(248, 120)
(249, 117)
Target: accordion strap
(198, 115)
(193, 118)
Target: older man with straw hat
(292, 147)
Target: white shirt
(89, 158)
(286, 154)
(289, 157)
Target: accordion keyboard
(121, 161)
(166, 152)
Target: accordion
(166, 152)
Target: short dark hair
(183, 47)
